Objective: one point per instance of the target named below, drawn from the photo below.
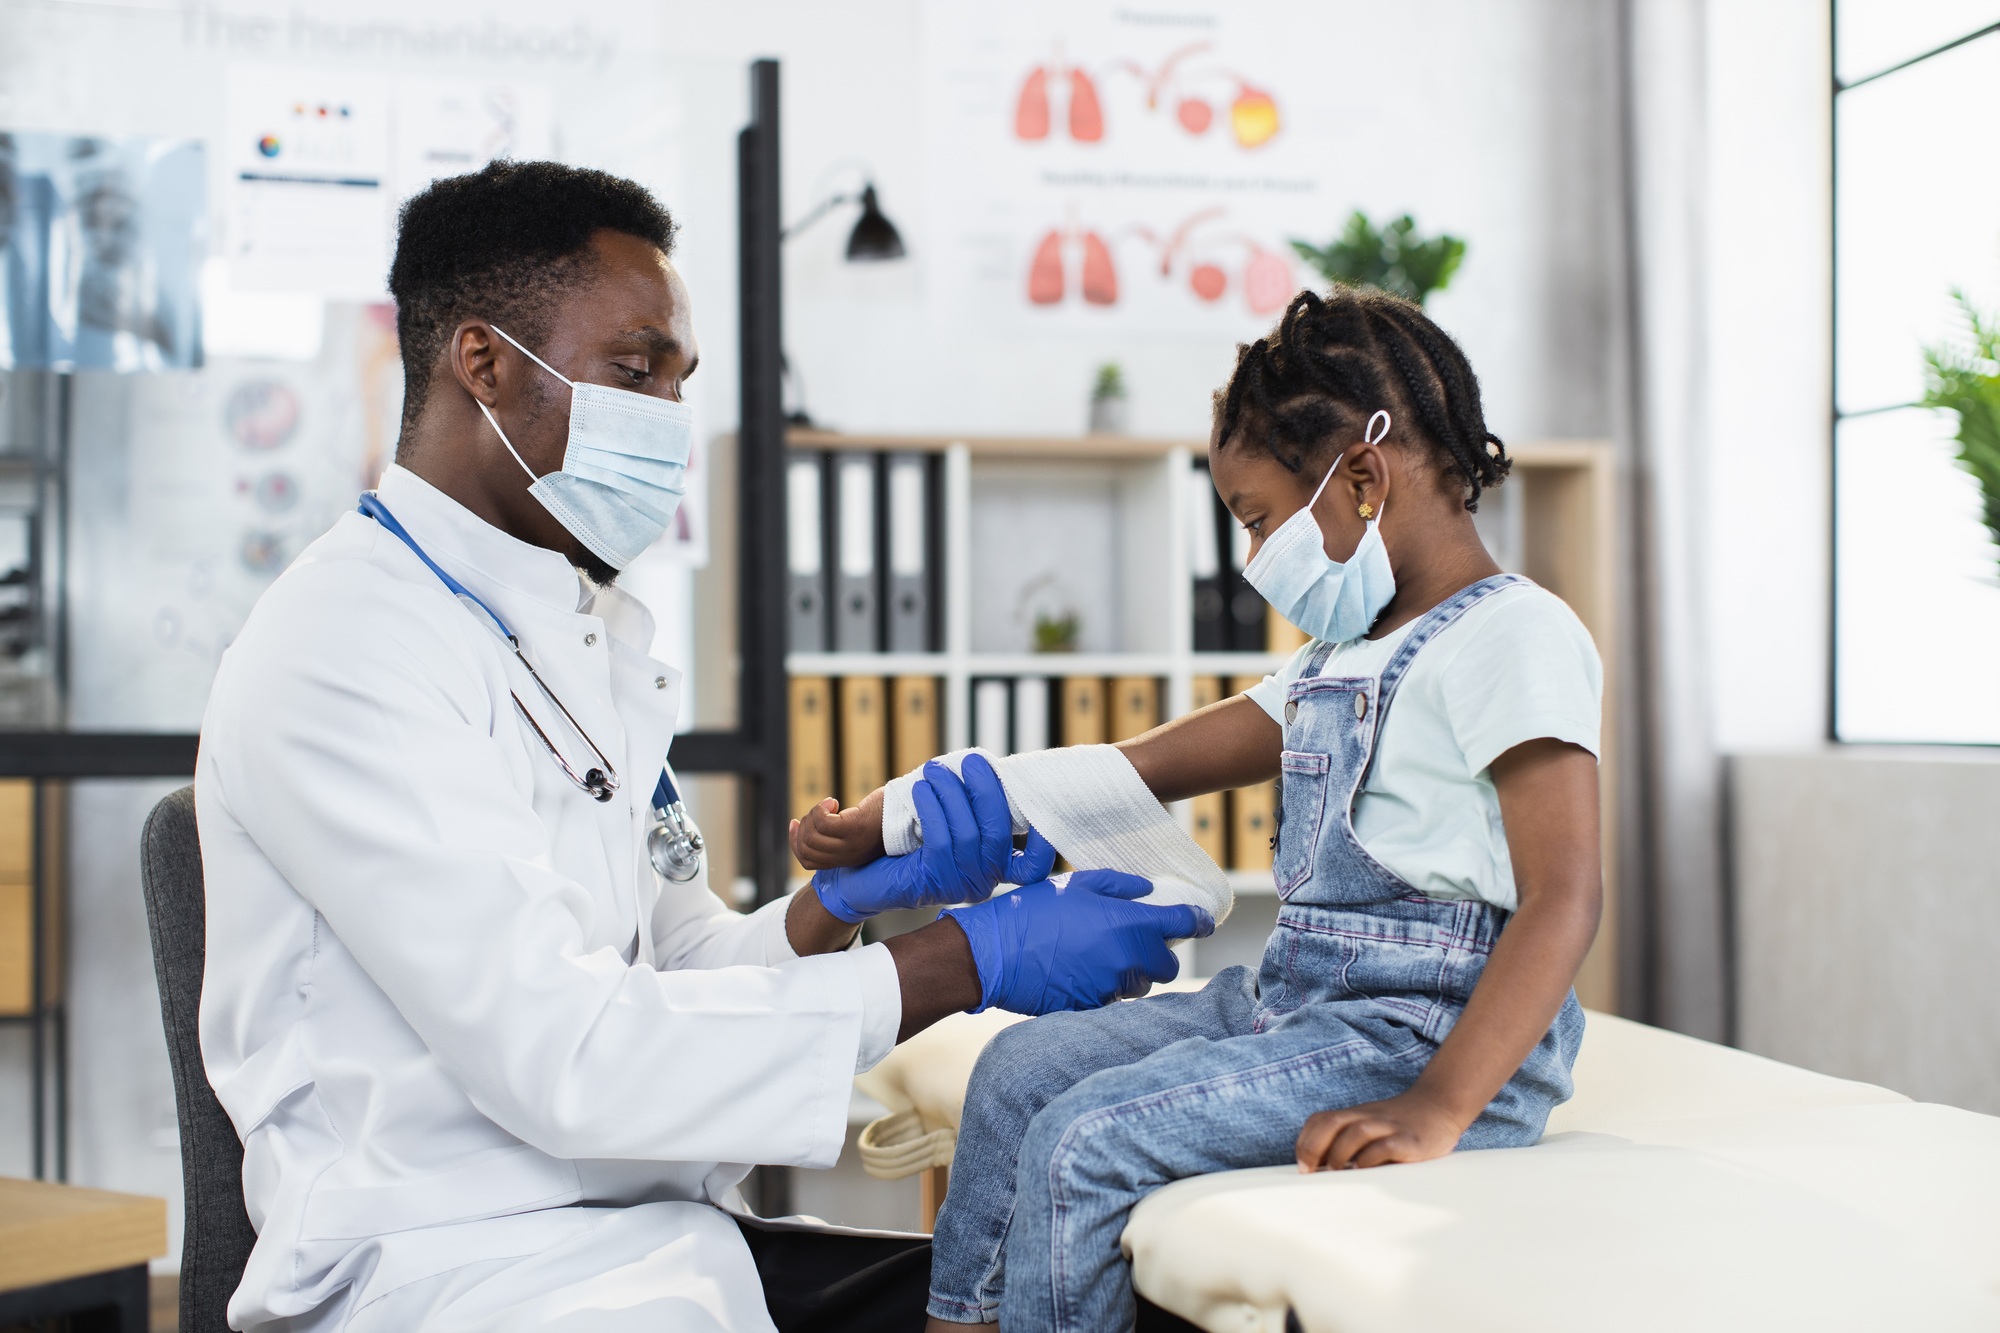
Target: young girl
(1437, 853)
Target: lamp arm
(819, 210)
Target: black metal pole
(760, 447)
(760, 468)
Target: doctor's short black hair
(502, 243)
(1305, 390)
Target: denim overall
(1070, 1120)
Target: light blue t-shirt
(1516, 667)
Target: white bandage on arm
(1090, 803)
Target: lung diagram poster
(1096, 166)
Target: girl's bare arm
(1233, 743)
(1548, 801)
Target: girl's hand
(829, 837)
(1407, 1128)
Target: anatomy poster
(318, 161)
(1100, 166)
(191, 493)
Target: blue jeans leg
(1197, 1106)
(1017, 1075)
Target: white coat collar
(475, 552)
(484, 558)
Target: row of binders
(1229, 615)
(862, 551)
(851, 734)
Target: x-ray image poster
(1095, 165)
(308, 203)
(101, 243)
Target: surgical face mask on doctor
(1329, 599)
(623, 471)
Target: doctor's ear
(473, 353)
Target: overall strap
(1432, 624)
(1317, 662)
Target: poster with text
(1096, 166)
(319, 160)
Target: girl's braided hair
(1333, 360)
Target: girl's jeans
(1070, 1120)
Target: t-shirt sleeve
(1269, 692)
(1528, 670)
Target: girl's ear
(1365, 479)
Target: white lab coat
(477, 1051)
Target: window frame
(1837, 87)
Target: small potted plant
(1107, 400)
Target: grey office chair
(217, 1235)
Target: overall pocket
(1302, 792)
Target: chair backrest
(216, 1233)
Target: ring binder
(856, 618)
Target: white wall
(1490, 118)
(1766, 464)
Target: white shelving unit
(1152, 588)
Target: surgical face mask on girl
(1329, 599)
(623, 471)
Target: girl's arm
(1233, 743)
(1548, 802)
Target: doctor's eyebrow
(661, 344)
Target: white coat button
(1360, 706)
(589, 639)
(659, 682)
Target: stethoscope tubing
(674, 844)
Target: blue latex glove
(968, 848)
(1078, 945)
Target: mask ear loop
(1368, 436)
(494, 422)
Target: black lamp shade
(874, 236)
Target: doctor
(490, 1069)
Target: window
(1916, 215)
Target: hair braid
(1332, 361)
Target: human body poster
(1096, 166)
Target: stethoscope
(673, 844)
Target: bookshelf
(1140, 484)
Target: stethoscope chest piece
(674, 845)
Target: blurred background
(1728, 272)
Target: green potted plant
(1394, 258)
(1964, 377)
(1107, 400)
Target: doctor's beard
(592, 567)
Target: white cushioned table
(1686, 1185)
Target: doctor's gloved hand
(1075, 942)
(968, 848)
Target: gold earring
(1367, 511)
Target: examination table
(1686, 1185)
